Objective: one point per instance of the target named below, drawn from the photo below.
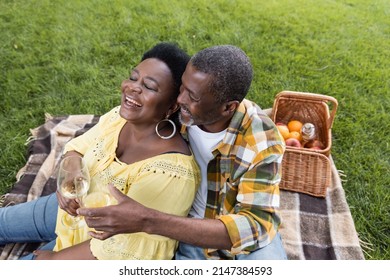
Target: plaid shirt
(243, 181)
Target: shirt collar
(238, 121)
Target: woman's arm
(77, 252)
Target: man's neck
(216, 127)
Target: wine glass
(73, 182)
(96, 199)
(102, 198)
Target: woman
(136, 148)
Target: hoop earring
(166, 137)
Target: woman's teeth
(132, 102)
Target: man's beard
(188, 123)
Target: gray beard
(189, 123)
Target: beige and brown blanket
(313, 228)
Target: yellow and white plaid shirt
(243, 181)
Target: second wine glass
(73, 182)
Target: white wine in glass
(96, 199)
(103, 198)
(73, 182)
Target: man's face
(198, 105)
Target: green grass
(69, 57)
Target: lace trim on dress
(166, 166)
(133, 247)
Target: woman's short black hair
(174, 57)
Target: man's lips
(185, 112)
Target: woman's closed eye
(150, 86)
(133, 78)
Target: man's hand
(125, 217)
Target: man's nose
(181, 98)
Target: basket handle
(315, 97)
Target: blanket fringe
(342, 175)
(30, 138)
(21, 173)
(2, 200)
(48, 117)
(34, 131)
(366, 246)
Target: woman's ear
(173, 109)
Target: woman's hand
(67, 204)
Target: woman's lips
(130, 102)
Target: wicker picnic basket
(305, 170)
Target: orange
(296, 135)
(283, 129)
(295, 125)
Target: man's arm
(129, 216)
(205, 233)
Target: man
(239, 150)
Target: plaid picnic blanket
(312, 228)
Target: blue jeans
(32, 221)
(273, 251)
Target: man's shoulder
(257, 127)
(256, 118)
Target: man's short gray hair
(230, 69)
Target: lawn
(69, 57)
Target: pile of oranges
(292, 134)
(291, 130)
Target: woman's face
(147, 95)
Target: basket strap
(333, 112)
(312, 96)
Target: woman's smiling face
(148, 93)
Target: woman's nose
(131, 87)
(136, 88)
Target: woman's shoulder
(111, 120)
(111, 115)
(176, 144)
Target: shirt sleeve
(255, 222)
(83, 142)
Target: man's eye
(193, 98)
(132, 78)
